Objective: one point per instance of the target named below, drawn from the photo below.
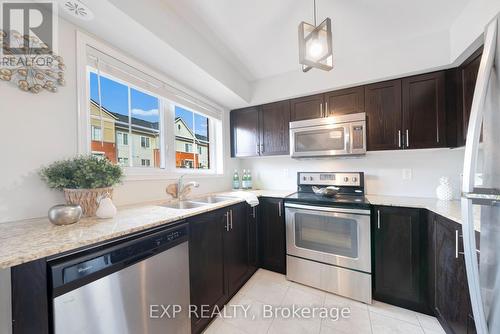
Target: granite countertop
(32, 239)
(28, 240)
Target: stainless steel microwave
(329, 136)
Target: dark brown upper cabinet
(261, 130)
(274, 128)
(308, 107)
(345, 101)
(383, 115)
(424, 113)
(468, 72)
(245, 132)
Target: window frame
(167, 170)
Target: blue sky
(114, 97)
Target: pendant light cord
(314, 11)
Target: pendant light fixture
(315, 44)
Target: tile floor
(266, 287)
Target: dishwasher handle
(68, 274)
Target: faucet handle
(172, 190)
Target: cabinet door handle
(231, 213)
(407, 138)
(253, 212)
(321, 109)
(457, 235)
(326, 109)
(378, 219)
(399, 138)
(258, 149)
(279, 208)
(227, 221)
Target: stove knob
(311, 178)
(346, 179)
(354, 179)
(304, 178)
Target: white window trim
(217, 145)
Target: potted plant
(84, 180)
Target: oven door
(334, 236)
(320, 140)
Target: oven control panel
(330, 179)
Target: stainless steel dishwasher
(127, 288)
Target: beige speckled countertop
(28, 240)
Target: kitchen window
(141, 120)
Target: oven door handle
(327, 209)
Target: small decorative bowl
(65, 214)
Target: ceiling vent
(78, 9)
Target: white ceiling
(259, 37)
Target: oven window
(326, 234)
(320, 140)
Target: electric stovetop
(350, 186)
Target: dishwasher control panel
(87, 264)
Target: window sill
(145, 174)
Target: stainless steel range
(328, 238)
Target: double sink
(198, 202)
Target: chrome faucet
(184, 189)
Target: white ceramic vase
(444, 192)
(106, 208)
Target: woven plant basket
(87, 198)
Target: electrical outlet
(407, 174)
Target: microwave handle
(347, 138)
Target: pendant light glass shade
(315, 46)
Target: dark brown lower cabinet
(253, 240)
(272, 246)
(400, 265)
(206, 264)
(452, 300)
(219, 260)
(236, 248)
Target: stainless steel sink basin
(184, 205)
(211, 199)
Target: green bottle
(249, 180)
(244, 180)
(236, 180)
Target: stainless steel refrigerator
(481, 199)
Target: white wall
(383, 170)
(36, 130)
(470, 24)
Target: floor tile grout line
(370, 318)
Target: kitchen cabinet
(345, 101)
(383, 115)
(245, 134)
(400, 269)
(236, 262)
(274, 128)
(424, 113)
(308, 107)
(272, 245)
(452, 303)
(218, 258)
(253, 240)
(262, 130)
(468, 72)
(206, 263)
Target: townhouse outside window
(145, 124)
